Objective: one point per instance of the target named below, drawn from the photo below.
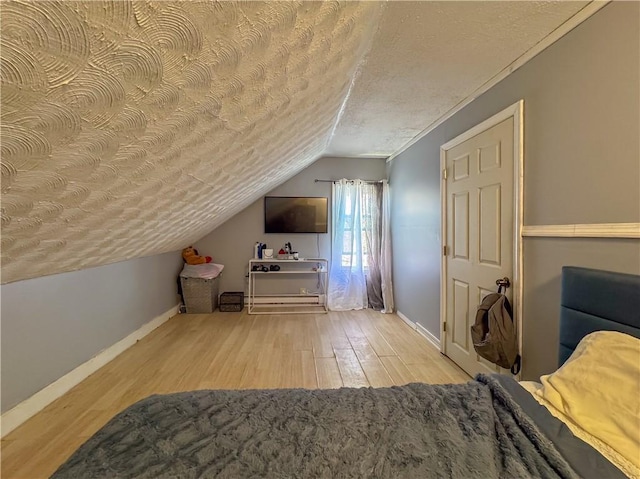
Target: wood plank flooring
(228, 351)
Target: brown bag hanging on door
(494, 334)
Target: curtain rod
(333, 181)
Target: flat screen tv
(286, 214)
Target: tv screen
(285, 214)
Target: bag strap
(515, 368)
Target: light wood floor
(228, 351)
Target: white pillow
(598, 389)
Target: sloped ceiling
(135, 128)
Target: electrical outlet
(303, 290)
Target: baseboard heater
(307, 299)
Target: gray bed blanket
(472, 430)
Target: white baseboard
(428, 336)
(36, 403)
(420, 329)
(406, 320)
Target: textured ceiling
(427, 57)
(135, 128)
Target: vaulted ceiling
(135, 128)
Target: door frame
(515, 111)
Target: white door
(478, 231)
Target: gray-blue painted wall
(232, 243)
(582, 165)
(53, 324)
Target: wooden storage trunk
(200, 295)
(232, 301)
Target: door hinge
(444, 174)
(444, 327)
(445, 250)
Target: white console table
(302, 267)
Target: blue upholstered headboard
(594, 300)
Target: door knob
(503, 283)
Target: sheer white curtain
(360, 274)
(347, 283)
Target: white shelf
(294, 307)
(293, 271)
(290, 295)
(288, 309)
(301, 260)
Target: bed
(489, 427)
